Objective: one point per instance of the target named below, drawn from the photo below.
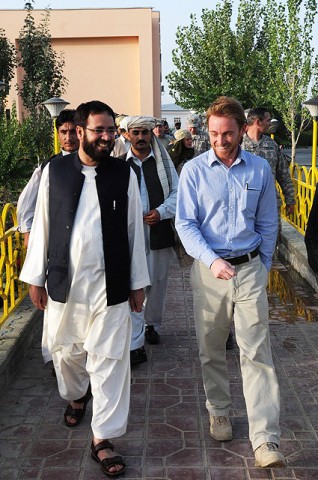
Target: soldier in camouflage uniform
(200, 139)
(255, 141)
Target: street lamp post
(312, 106)
(273, 127)
(55, 105)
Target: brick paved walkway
(167, 436)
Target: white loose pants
(110, 384)
(159, 262)
(244, 299)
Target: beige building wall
(112, 55)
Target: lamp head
(312, 106)
(55, 105)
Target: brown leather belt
(243, 259)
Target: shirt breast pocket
(250, 200)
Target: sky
(173, 13)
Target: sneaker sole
(275, 464)
(223, 438)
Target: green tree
(42, 79)
(7, 63)
(214, 59)
(43, 67)
(292, 65)
(16, 163)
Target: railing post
(314, 146)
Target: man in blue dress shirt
(227, 220)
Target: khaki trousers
(243, 299)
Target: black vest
(48, 160)
(66, 182)
(161, 235)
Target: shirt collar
(214, 159)
(64, 152)
(136, 159)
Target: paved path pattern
(168, 432)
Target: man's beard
(94, 152)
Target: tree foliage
(293, 72)
(7, 63)
(27, 143)
(16, 163)
(42, 79)
(266, 59)
(214, 59)
(43, 67)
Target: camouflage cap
(159, 121)
(194, 120)
(181, 133)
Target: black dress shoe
(151, 335)
(230, 342)
(138, 356)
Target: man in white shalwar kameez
(158, 182)
(27, 200)
(88, 333)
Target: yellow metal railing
(304, 181)
(296, 308)
(12, 291)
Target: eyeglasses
(102, 131)
(138, 132)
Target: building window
(177, 120)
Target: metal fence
(12, 291)
(305, 180)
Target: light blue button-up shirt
(227, 212)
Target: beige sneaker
(268, 456)
(221, 428)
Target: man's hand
(136, 300)
(38, 296)
(26, 236)
(290, 209)
(222, 269)
(152, 217)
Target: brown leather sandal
(77, 413)
(107, 463)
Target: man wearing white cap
(122, 143)
(158, 182)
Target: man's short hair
(227, 107)
(257, 113)
(84, 110)
(66, 116)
